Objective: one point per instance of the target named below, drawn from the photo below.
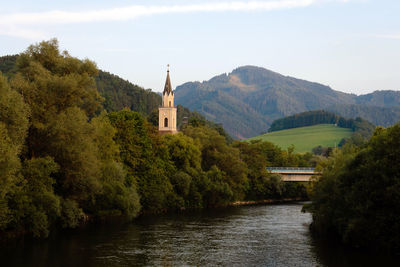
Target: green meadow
(306, 138)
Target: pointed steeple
(168, 87)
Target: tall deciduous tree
(216, 153)
(358, 195)
(61, 94)
(117, 196)
(146, 162)
(13, 129)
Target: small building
(167, 112)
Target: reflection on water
(270, 235)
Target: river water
(264, 235)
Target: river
(261, 235)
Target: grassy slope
(306, 138)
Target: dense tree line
(357, 198)
(308, 118)
(315, 117)
(64, 160)
(362, 129)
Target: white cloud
(15, 24)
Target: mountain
(247, 100)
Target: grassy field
(306, 138)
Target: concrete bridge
(294, 174)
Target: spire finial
(168, 87)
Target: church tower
(167, 112)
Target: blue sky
(350, 45)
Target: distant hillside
(7, 64)
(381, 116)
(247, 100)
(380, 99)
(119, 94)
(305, 139)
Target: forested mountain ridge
(380, 99)
(248, 99)
(119, 94)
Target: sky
(351, 45)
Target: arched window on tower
(165, 122)
(169, 103)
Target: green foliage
(9, 168)
(14, 113)
(216, 152)
(40, 205)
(71, 214)
(307, 118)
(7, 64)
(70, 141)
(362, 129)
(183, 151)
(322, 151)
(67, 146)
(358, 198)
(146, 165)
(152, 118)
(219, 191)
(306, 138)
(52, 81)
(119, 94)
(13, 129)
(116, 196)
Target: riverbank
(10, 237)
(266, 201)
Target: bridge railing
(292, 169)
